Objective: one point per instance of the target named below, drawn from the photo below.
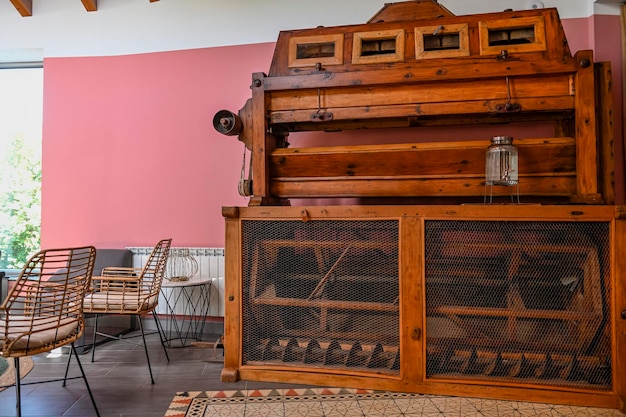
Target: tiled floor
(120, 382)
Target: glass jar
(501, 162)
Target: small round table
(187, 305)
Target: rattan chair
(130, 291)
(44, 309)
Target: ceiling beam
(90, 5)
(25, 7)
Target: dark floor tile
(119, 379)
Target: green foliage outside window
(20, 202)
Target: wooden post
(233, 302)
(260, 185)
(586, 148)
(606, 132)
(620, 306)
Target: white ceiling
(59, 28)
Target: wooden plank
(280, 243)
(428, 145)
(24, 7)
(536, 212)
(456, 159)
(412, 298)
(586, 143)
(558, 118)
(460, 91)
(419, 111)
(619, 272)
(261, 142)
(233, 292)
(555, 186)
(90, 5)
(323, 303)
(465, 69)
(565, 315)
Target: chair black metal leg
(18, 391)
(82, 371)
(93, 342)
(145, 347)
(161, 332)
(67, 366)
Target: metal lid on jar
(501, 140)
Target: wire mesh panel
(519, 302)
(321, 294)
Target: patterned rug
(7, 371)
(345, 402)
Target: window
(21, 113)
(378, 47)
(307, 51)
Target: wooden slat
(24, 7)
(538, 212)
(333, 304)
(565, 315)
(422, 93)
(418, 110)
(456, 159)
(548, 186)
(470, 69)
(90, 5)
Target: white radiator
(210, 265)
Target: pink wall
(129, 152)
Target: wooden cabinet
(503, 301)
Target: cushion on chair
(123, 303)
(47, 330)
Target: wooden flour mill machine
(420, 283)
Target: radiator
(210, 264)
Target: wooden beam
(623, 140)
(152, 1)
(90, 5)
(25, 7)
